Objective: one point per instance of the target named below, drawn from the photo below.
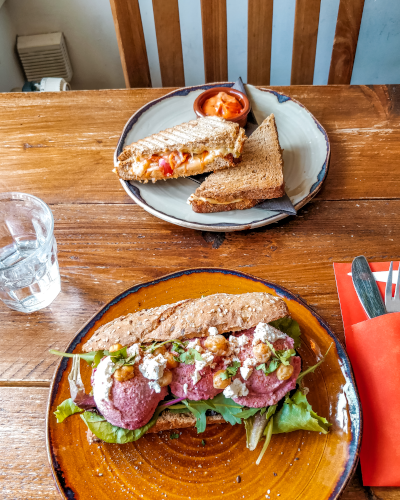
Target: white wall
(10, 71)
(89, 32)
(90, 35)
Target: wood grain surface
(168, 32)
(345, 41)
(259, 38)
(305, 35)
(131, 44)
(215, 42)
(60, 148)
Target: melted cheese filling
(143, 167)
(193, 197)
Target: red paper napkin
(373, 346)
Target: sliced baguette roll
(258, 177)
(189, 318)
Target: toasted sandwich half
(199, 146)
(258, 177)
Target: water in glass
(29, 274)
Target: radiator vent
(44, 55)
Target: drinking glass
(29, 274)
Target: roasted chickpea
(262, 353)
(172, 361)
(216, 344)
(284, 372)
(166, 379)
(124, 373)
(218, 383)
(159, 350)
(115, 347)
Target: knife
(366, 288)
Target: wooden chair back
(129, 29)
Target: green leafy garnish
(66, 409)
(178, 346)
(188, 357)
(297, 414)
(174, 435)
(92, 358)
(248, 412)
(273, 365)
(268, 434)
(230, 371)
(154, 346)
(290, 327)
(227, 408)
(203, 443)
(113, 434)
(311, 369)
(199, 409)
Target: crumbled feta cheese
(243, 340)
(247, 369)
(134, 350)
(265, 332)
(235, 358)
(212, 330)
(103, 380)
(200, 365)
(195, 344)
(153, 384)
(208, 357)
(196, 377)
(153, 367)
(185, 386)
(236, 389)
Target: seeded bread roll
(189, 318)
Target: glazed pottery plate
(305, 144)
(298, 465)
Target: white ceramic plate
(303, 139)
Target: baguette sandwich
(202, 145)
(217, 359)
(258, 177)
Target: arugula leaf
(178, 346)
(92, 358)
(285, 356)
(258, 425)
(311, 369)
(273, 365)
(271, 411)
(290, 327)
(154, 346)
(188, 357)
(297, 413)
(227, 408)
(174, 435)
(203, 443)
(230, 371)
(66, 409)
(199, 408)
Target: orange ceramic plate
(298, 465)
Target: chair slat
(345, 41)
(305, 41)
(215, 45)
(259, 41)
(169, 43)
(132, 47)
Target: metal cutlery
(392, 303)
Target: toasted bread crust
(168, 421)
(189, 318)
(203, 207)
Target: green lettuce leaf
(113, 434)
(290, 327)
(246, 413)
(66, 409)
(297, 414)
(231, 370)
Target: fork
(392, 303)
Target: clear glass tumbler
(29, 274)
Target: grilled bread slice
(202, 145)
(258, 177)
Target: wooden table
(59, 147)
